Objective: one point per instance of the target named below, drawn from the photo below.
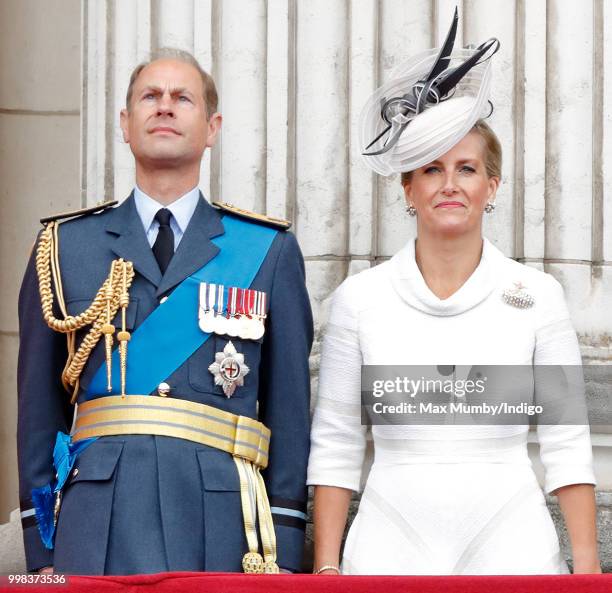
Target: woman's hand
(592, 567)
(577, 503)
(330, 512)
(46, 570)
(586, 561)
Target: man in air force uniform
(187, 330)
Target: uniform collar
(182, 209)
(195, 249)
(411, 286)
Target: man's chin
(165, 158)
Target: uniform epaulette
(277, 223)
(82, 211)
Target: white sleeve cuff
(349, 480)
(566, 476)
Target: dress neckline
(409, 283)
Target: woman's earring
(489, 207)
(411, 210)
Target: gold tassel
(108, 329)
(123, 336)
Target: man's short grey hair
(211, 99)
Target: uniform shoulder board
(81, 212)
(277, 223)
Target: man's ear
(123, 122)
(214, 127)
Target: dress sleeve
(565, 449)
(338, 438)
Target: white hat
(430, 103)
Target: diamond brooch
(518, 297)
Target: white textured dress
(445, 499)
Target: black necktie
(163, 248)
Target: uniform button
(163, 300)
(75, 472)
(163, 389)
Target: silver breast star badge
(229, 369)
(518, 297)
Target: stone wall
(40, 96)
(292, 76)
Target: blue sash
(171, 334)
(162, 343)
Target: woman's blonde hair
(493, 151)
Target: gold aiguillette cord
(112, 294)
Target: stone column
(40, 96)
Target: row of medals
(239, 314)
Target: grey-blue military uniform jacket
(145, 503)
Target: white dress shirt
(182, 211)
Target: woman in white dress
(445, 499)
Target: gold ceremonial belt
(240, 436)
(247, 440)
